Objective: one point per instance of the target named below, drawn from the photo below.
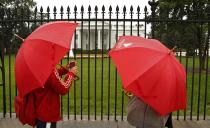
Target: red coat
(47, 99)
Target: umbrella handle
(19, 37)
(128, 94)
(76, 77)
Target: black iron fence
(98, 93)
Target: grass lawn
(77, 100)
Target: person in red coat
(47, 99)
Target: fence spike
(48, 9)
(54, 9)
(110, 8)
(124, 9)
(41, 9)
(61, 9)
(82, 9)
(103, 9)
(68, 10)
(117, 9)
(131, 10)
(96, 8)
(89, 10)
(75, 8)
(138, 9)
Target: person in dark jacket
(47, 99)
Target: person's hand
(68, 65)
(74, 70)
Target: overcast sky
(93, 3)
(45, 3)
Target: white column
(99, 39)
(79, 39)
(71, 54)
(72, 42)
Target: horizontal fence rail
(98, 94)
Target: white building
(103, 36)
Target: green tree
(10, 10)
(188, 36)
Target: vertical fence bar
(15, 30)
(186, 58)
(82, 13)
(2, 11)
(186, 69)
(54, 12)
(193, 74)
(138, 16)
(96, 35)
(28, 18)
(68, 96)
(61, 62)
(145, 23)
(206, 79)
(61, 12)
(75, 47)
(3, 84)
(200, 67)
(192, 90)
(180, 60)
(102, 64)
(2, 67)
(109, 65)
(116, 38)
(207, 62)
(35, 17)
(131, 13)
(193, 81)
(48, 13)
(41, 14)
(9, 68)
(89, 12)
(122, 93)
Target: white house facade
(106, 34)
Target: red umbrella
(150, 71)
(39, 54)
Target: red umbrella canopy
(150, 71)
(39, 54)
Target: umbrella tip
(19, 37)
(172, 50)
